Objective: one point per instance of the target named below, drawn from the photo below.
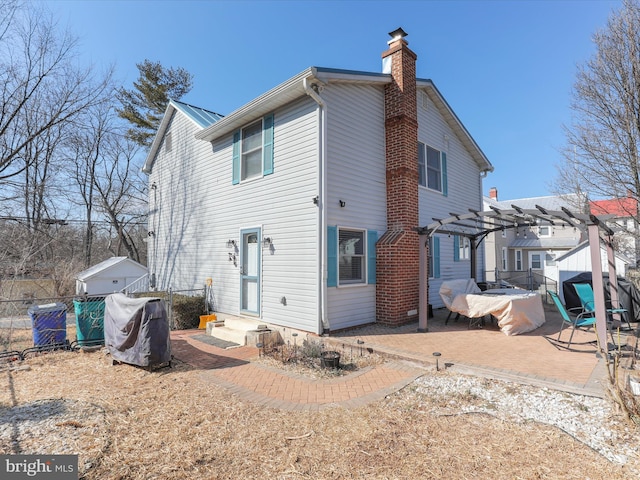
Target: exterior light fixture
(231, 243)
(342, 203)
(266, 242)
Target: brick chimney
(397, 262)
(493, 193)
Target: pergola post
(423, 299)
(613, 277)
(598, 288)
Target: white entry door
(250, 271)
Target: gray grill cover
(136, 330)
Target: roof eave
(454, 122)
(157, 140)
(269, 101)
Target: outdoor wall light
(266, 242)
(342, 203)
(151, 233)
(231, 243)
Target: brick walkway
(530, 358)
(234, 370)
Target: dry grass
(172, 424)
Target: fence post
(173, 326)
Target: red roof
(620, 207)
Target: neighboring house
(303, 204)
(112, 275)
(625, 211)
(529, 253)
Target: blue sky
(506, 67)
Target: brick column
(398, 263)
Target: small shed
(578, 260)
(109, 276)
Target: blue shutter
(456, 248)
(267, 145)
(235, 168)
(372, 238)
(445, 188)
(332, 256)
(436, 257)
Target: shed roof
(105, 265)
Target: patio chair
(587, 301)
(581, 319)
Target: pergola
(476, 225)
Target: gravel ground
(592, 421)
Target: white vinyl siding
(356, 175)
(463, 192)
(198, 210)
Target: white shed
(109, 276)
(578, 260)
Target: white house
(514, 254)
(303, 204)
(111, 275)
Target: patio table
(517, 311)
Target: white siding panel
(464, 192)
(201, 209)
(355, 175)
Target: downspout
(312, 90)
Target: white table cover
(516, 312)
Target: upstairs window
(253, 150)
(432, 168)
(251, 162)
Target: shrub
(187, 311)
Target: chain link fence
(47, 323)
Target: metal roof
(544, 243)
(201, 116)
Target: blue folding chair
(579, 320)
(587, 301)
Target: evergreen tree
(144, 105)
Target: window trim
(504, 261)
(333, 256)
(423, 168)
(362, 256)
(238, 168)
(518, 259)
(243, 154)
(542, 259)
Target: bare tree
(602, 157)
(40, 85)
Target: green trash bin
(89, 320)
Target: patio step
(235, 328)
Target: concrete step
(235, 328)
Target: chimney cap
(397, 34)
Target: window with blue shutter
(253, 150)
(456, 248)
(445, 188)
(235, 168)
(332, 256)
(372, 238)
(435, 257)
(267, 148)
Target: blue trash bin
(49, 324)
